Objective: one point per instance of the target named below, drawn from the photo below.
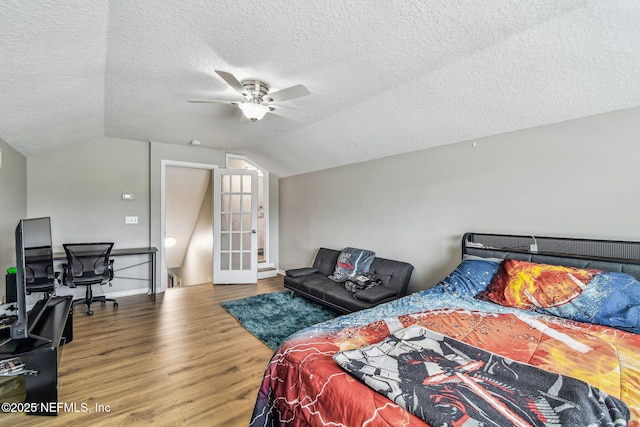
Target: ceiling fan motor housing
(255, 89)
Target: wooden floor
(180, 361)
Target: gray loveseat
(314, 283)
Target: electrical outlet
(130, 219)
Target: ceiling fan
(257, 99)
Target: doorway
(199, 244)
(187, 223)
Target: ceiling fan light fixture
(254, 110)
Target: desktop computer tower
(11, 290)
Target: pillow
(611, 299)
(528, 285)
(352, 261)
(298, 272)
(375, 294)
(469, 278)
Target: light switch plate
(130, 219)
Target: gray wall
(80, 187)
(13, 205)
(579, 178)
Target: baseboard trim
(128, 293)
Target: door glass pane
(246, 203)
(226, 183)
(235, 183)
(224, 261)
(224, 242)
(235, 242)
(246, 241)
(246, 260)
(246, 222)
(225, 222)
(236, 199)
(235, 222)
(225, 203)
(235, 261)
(246, 183)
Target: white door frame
(163, 226)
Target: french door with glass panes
(235, 221)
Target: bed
(515, 335)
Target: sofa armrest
(375, 294)
(298, 272)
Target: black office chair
(39, 274)
(88, 264)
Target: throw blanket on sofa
(352, 261)
(447, 382)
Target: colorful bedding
(446, 382)
(304, 386)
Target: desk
(41, 356)
(151, 251)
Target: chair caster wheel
(115, 305)
(90, 312)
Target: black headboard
(607, 255)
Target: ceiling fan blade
(213, 101)
(286, 112)
(292, 92)
(231, 81)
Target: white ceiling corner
(385, 78)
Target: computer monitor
(34, 269)
(38, 255)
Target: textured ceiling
(385, 77)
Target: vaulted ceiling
(385, 77)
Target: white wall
(197, 266)
(579, 178)
(13, 206)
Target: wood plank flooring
(182, 361)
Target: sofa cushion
(325, 261)
(297, 272)
(337, 295)
(392, 274)
(375, 294)
(312, 284)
